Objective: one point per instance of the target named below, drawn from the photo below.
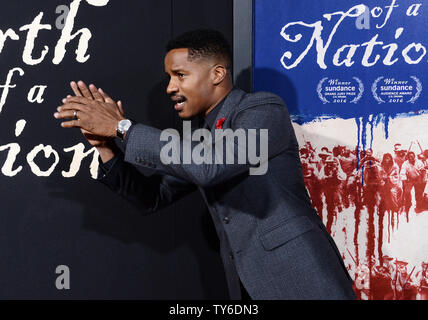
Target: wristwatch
(122, 127)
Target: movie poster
(353, 76)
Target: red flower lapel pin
(220, 122)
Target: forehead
(177, 59)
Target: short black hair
(203, 43)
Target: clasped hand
(91, 110)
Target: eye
(180, 75)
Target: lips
(179, 106)
(179, 102)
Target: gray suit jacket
(270, 236)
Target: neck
(218, 99)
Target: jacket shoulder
(262, 98)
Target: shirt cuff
(104, 168)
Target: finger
(120, 106)
(68, 114)
(71, 124)
(75, 89)
(106, 96)
(71, 106)
(80, 100)
(95, 93)
(85, 91)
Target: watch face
(124, 125)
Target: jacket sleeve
(144, 146)
(148, 192)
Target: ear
(219, 73)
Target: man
(270, 237)
(381, 281)
(391, 195)
(404, 283)
(332, 178)
(399, 155)
(424, 159)
(422, 275)
(362, 282)
(312, 180)
(413, 174)
(348, 162)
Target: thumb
(119, 104)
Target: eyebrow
(178, 70)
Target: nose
(172, 87)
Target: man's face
(190, 85)
(402, 269)
(388, 161)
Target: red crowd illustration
(384, 187)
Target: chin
(183, 115)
